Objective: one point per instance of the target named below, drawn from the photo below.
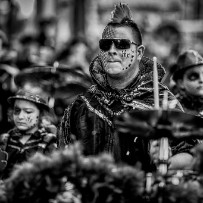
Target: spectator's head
(189, 72)
(166, 43)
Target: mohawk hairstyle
(120, 13)
(121, 16)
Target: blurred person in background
(166, 43)
(188, 78)
(76, 55)
(123, 81)
(8, 70)
(28, 53)
(47, 31)
(32, 52)
(32, 132)
(46, 38)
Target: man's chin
(114, 71)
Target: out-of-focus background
(51, 32)
(167, 25)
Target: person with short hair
(31, 133)
(123, 81)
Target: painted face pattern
(129, 56)
(126, 57)
(108, 33)
(26, 116)
(193, 81)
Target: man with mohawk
(123, 82)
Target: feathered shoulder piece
(120, 13)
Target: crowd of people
(120, 79)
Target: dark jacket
(41, 141)
(90, 117)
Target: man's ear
(140, 52)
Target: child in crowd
(188, 78)
(32, 133)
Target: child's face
(192, 81)
(26, 116)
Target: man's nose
(113, 49)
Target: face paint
(192, 81)
(26, 116)
(108, 33)
(124, 54)
(128, 55)
(118, 62)
(29, 120)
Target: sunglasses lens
(105, 44)
(122, 44)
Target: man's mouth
(113, 61)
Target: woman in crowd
(32, 132)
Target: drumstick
(155, 84)
(164, 141)
(164, 146)
(163, 150)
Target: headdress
(121, 15)
(29, 96)
(187, 60)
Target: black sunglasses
(105, 44)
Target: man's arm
(181, 161)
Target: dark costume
(41, 141)
(90, 117)
(191, 103)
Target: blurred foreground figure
(123, 80)
(188, 78)
(31, 133)
(66, 176)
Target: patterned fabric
(191, 103)
(41, 141)
(29, 96)
(90, 117)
